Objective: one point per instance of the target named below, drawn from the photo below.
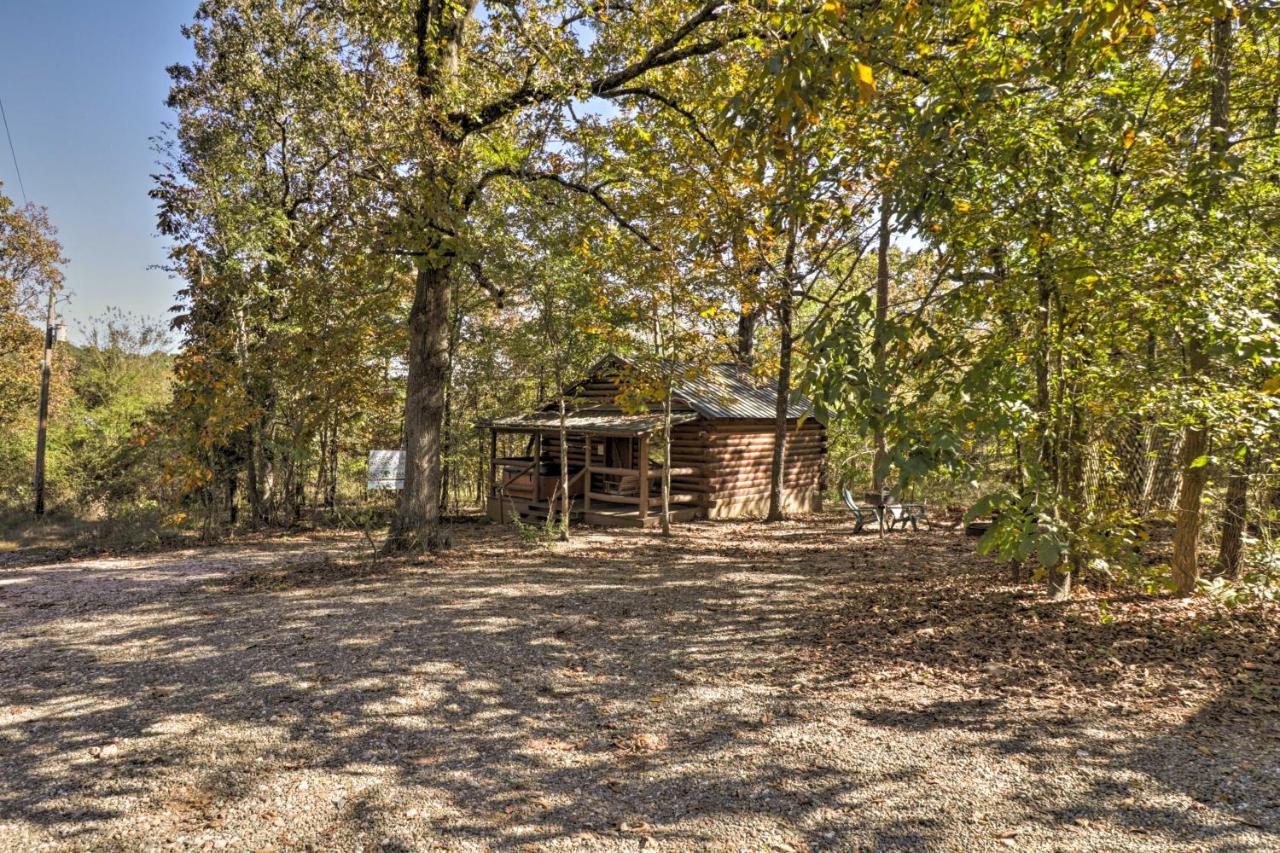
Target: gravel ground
(737, 687)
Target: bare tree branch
(665, 52)
(484, 281)
(651, 94)
(593, 192)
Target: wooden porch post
(493, 473)
(493, 459)
(644, 477)
(586, 474)
(537, 466)
(563, 479)
(663, 484)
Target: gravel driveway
(789, 687)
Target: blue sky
(83, 85)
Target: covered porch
(614, 479)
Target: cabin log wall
(735, 460)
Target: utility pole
(46, 372)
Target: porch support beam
(644, 477)
(586, 485)
(493, 472)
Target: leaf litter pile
(740, 686)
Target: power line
(13, 152)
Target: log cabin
(722, 437)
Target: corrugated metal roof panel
(728, 391)
(724, 391)
(599, 422)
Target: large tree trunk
(331, 491)
(878, 350)
(564, 466)
(666, 464)
(417, 522)
(747, 320)
(1186, 536)
(1235, 511)
(777, 500)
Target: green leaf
(978, 509)
(1048, 552)
(987, 544)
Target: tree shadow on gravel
(623, 688)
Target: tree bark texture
(1234, 514)
(1186, 536)
(747, 320)
(776, 480)
(879, 346)
(417, 523)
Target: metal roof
(604, 423)
(728, 391)
(723, 391)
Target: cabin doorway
(613, 451)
